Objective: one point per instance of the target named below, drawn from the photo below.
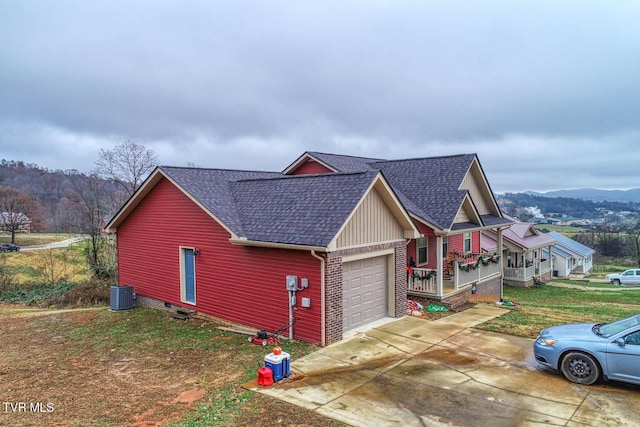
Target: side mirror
(620, 342)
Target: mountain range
(593, 194)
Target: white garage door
(364, 291)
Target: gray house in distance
(569, 256)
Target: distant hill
(593, 194)
(511, 203)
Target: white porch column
(439, 269)
(501, 264)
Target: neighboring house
(20, 221)
(337, 232)
(570, 257)
(525, 253)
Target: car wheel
(616, 281)
(580, 368)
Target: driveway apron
(414, 372)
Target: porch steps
(181, 313)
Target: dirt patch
(69, 368)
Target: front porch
(462, 273)
(526, 273)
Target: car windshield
(608, 329)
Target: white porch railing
(422, 280)
(545, 267)
(473, 272)
(522, 274)
(425, 281)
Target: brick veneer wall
(488, 291)
(333, 285)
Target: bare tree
(96, 206)
(128, 164)
(18, 211)
(634, 241)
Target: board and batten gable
(476, 183)
(238, 283)
(372, 222)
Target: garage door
(364, 291)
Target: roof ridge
(430, 157)
(308, 176)
(344, 155)
(217, 169)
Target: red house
(329, 245)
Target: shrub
(68, 294)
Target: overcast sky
(547, 93)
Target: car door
(628, 277)
(623, 361)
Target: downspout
(322, 305)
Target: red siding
(311, 167)
(241, 284)
(456, 244)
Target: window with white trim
(467, 242)
(422, 252)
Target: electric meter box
(280, 364)
(292, 283)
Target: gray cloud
(547, 94)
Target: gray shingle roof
(427, 187)
(211, 187)
(344, 163)
(270, 207)
(431, 183)
(310, 209)
(303, 210)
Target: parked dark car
(587, 352)
(10, 247)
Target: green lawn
(539, 308)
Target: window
(422, 250)
(188, 275)
(467, 242)
(633, 339)
(445, 245)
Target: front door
(188, 285)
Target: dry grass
(134, 368)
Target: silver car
(587, 352)
(629, 277)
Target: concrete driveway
(413, 372)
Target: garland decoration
(485, 261)
(426, 276)
(417, 275)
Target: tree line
(73, 202)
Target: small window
(445, 245)
(422, 250)
(467, 242)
